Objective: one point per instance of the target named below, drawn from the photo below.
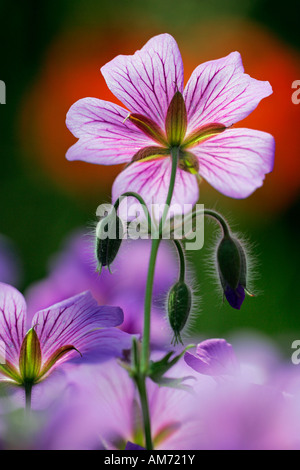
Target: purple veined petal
(101, 345)
(12, 323)
(220, 91)
(146, 81)
(75, 322)
(151, 180)
(213, 357)
(106, 137)
(236, 161)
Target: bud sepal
(232, 268)
(109, 235)
(179, 307)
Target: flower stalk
(145, 353)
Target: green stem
(28, 391)
(151, 269)
(141, 385)
(145, 353)
(181, 259)
(147, 307)
(211, 213)
(141, 201)
(220, 219)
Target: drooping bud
(232, 267)
(179, 307)
(109, 235)
(30, 357)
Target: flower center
(176, 124)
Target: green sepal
(176, 120)
(179, 307)
(188, 162)
(10, 372)
(150, 153)
(30, 359)
(56, 356)
(203, 133)
(157, 369)
(149, 127)
(176, 383)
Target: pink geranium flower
(161, 114)
(75, 327)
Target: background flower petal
(214, 357)
(105, 136)
(146, 81)
(76, 321)
(12, 323)
(151, 180)
(236, 161)
(218, 91)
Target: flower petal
(214, 357)
(146, 81)
(12, 323)
(151, 180)
(106, 137)
(220, 91)
(76, 321)
(236, 161)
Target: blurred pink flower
(163, 114)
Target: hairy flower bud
(179, 307)
(109, 235)
(232, 267)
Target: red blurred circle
(265, 57)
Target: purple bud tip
(235, 297)
(131, 446)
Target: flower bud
(232, 267)
(179, 307)
(109, 235)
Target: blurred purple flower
(77, 326)
(100, 409)
(214, 357)
(73, 270)
(163, 114)
(131, 446)
(10, 269)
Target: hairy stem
(181, 259)
(141, 385)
